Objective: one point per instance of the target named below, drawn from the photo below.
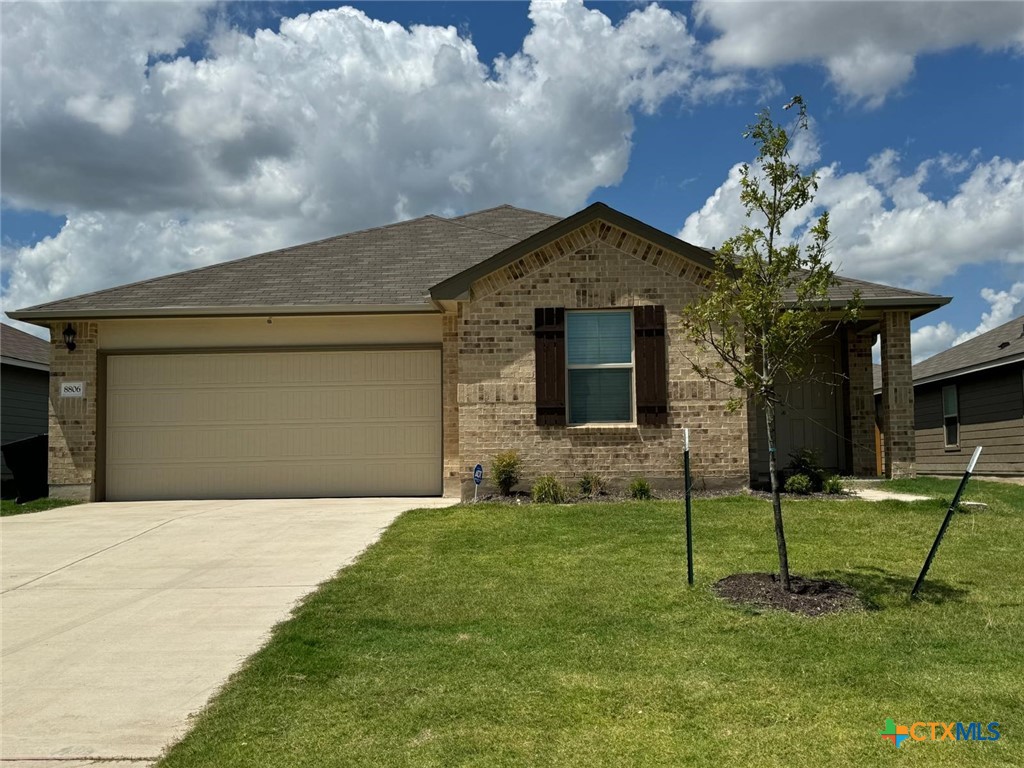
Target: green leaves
(767, 299)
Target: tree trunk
(780, 533)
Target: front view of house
(391, 361)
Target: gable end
(600, 231)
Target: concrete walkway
(121, 620)
(876, 494)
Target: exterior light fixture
(69, 338)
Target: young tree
(767, 299)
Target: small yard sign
(72, 389)
(478, 477)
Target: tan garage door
(273, 424)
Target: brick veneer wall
(598, 266)
(862, 404)
(73, 420)
(897, 395)
(450, 401)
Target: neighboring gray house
(24, 387)
(969, 395)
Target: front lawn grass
(11, 507)
(497, 635)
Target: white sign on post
(72, 389)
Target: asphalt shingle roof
(19, 345)
(517, 223)
(390, 265)
(842, 293)
(393, 265)
(1002, 344)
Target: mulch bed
(810, 597)
(662, 494)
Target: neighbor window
(599, 363)
(951, 416)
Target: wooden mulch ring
(810, 597)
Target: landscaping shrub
(640, 489)
(547, 490)
(591, 485)
(798, 484)
(806, 462)
(832, 485)
(505, 469)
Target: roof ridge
(274, 252)
(504, 205)
(481, 229)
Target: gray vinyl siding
(24, 393)
(991, 409)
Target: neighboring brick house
(970, 395)
(390, 361)
(24, 382)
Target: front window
(599, 364)
(951, 416)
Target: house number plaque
(72, 389)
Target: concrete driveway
(121, 620)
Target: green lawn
(11, 507)
(539, 635)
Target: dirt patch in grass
(809, 597)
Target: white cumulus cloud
(336, 121)
(886, 228)
(868, 49)
(1004, 306)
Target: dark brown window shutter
(651, 366)
(549, 333)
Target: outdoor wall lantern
(69, 338)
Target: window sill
(952, 449)
(616, 425)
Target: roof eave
(19, 363)
(41, 316)
(916, 305)
(925, 303)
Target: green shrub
(505, 469)
(547, 490)
(591, 485)
(832, 485)
(640, 489)
(806, 462)
(798, 484)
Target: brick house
(390, 361)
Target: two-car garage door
(273, 424)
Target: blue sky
(142, 139)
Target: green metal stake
(689, 532)
(945, 522)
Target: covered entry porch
(831, 411)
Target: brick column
(862, 404)
(450, 402)
(72, 461)
(897, 395)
